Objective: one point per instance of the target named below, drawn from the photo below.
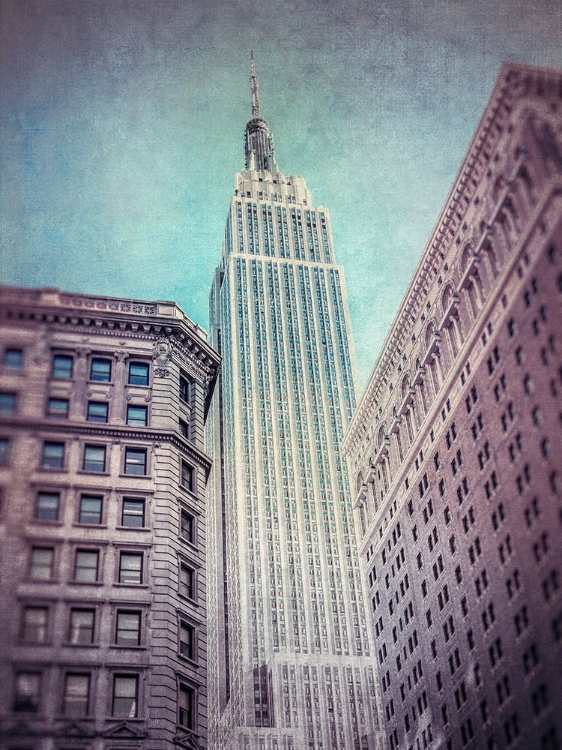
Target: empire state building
(291, 665)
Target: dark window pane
(86, 565)
(62, 366)
(47, 508)
(125, 696)
(57, 408)
(128, 629)
(13, 358)
(7, 404)
(4, 447)
(130, 567)
(27, 691)
(90, 509)
(187, 530)
(187, 581)
(76, 693)
(187, 640)
(53, 455)
(42, 561)
(97, 411)
(137, 415)
(135, 461)
(138, 373)
(94, 458)
(184, 389)
(187, 476)
(184, 429)
(100, 370)
(133, 512)
(81, 626)
(34, 624)
(186, 707)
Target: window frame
(37, 510)
(86, 551)
(100, 377)
(36, 706)
(191, 586)
(25, 626)
(135, 422)
(6, 356)
(125, 676)
(52, 413)
(85, 460)
(184, 623)
(191, 537)
(64, 705)
(92, 417)
(132, 363)
(48, 462)
(121, 571)
(191, 485)
(127, 463)
(11, 406)
(73, 633)
(54, 367)
(38, 548)
(139, 631)
(90, 496)
(131, 499)
(191, 712)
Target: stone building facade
(102, 523)
(455, 449)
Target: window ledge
(83, 525)
(132, 528)
(130, 585)
(128, 648)
(80, 645)
(89, 472)
(135, 476)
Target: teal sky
(122, 127)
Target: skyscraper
(290, 663)
(455, 449)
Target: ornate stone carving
(162, 354)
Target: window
(139, 373)
(187, 581)
(57, 408)
(53, 455)
(188, 526)
(13, 359)
(130, 567)
(183, 428)
(90, 509)
(184, 389)
(81, 626)
(128, 628)
(135, 461)
(125, 696)
(187, 640)
(4, 448)
(7, 404)
(76, 694)
(62, 366)
(27, 691)
(187, 476)
(186, 706)
(100, 369)
(86, 565)
(34, 624)
(137, 415)
(97, 411)
(133, 512)
(42, 563)
(47, 507)
(94, 458)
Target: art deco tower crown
(258, 142)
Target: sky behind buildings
(122, 127)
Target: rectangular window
(188, 526)
(97, 411)
(7, 404)
(125, 696)
(184, 389)
(187, 640)
(81, 626)
(27, 691)
(53, 455)
(100, 370)
(137, 416)
(13, 359)
(94, 458)
(135, 460)
(42, 563)
(130, 567)
(187, 476)
(86, 565)
(139, 373)
(128, 628)
(186, 707)
(62, 366)
(57, 408)
(90, 509)
(183, 428)
(47, 507)
(133, 512)
(187, 581)
(34, 624)
(76, 695)
(4, 450)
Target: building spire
(258, 143)
(254, 83)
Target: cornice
(515, 83)
(106, 431)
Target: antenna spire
(255, 90)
